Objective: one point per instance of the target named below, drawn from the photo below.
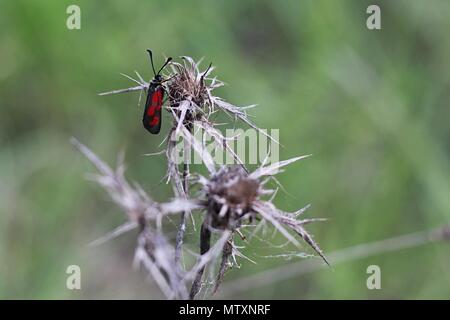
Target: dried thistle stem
(205, 245)
(182, 226)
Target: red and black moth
(155, 96)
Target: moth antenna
(165, 64)
(151, 60)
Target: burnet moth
(155, 95)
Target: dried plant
(229, 197)
(153, 250)
(232, 200)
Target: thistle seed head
(231, 193)
(188, 84)
(189, 88)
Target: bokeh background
(371, 106)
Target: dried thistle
(192, 101)
(153, 251)
(233, 199)
(191, 104)
(230, 194)
(188, 85)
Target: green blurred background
(371, 106)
